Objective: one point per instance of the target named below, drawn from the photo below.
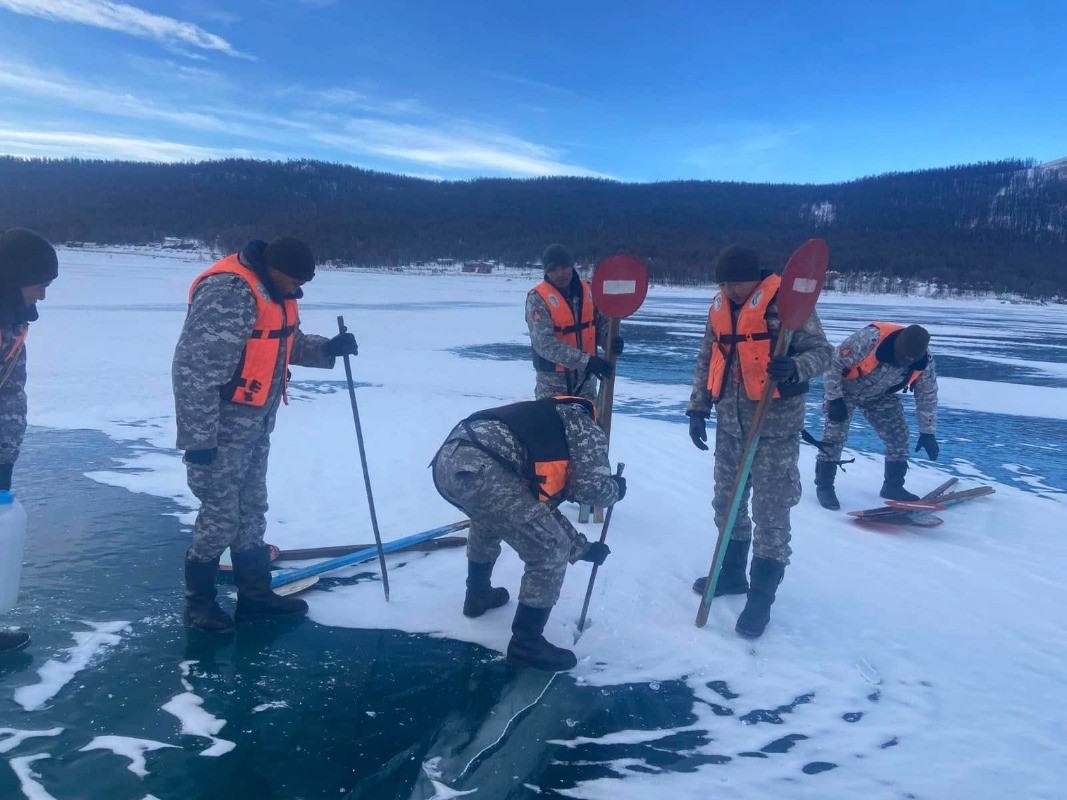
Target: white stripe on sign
(805, 285)
(620, 287)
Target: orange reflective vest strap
(580, 334)
(539, 429)
(11, 352)
(750, 344)
(871, 362)
(275, 323)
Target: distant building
(478, 267)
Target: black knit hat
(26, 259)
(556, 256)
(910, 344)
(737, 264)
(291, 256)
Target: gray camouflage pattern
(734, 411)
(886, 416)
(576, 381)
(12, 397)
(233, 490)
(774, 481)
(861, 391)
(502, 507)
(773, 486)
(870, 394)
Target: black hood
(252, 257)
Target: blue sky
(759, 91)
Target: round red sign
(620, 284)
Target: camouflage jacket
(220, 320)
(589, 473)
(12, 394)
(543, 335)
(882, 380)
(734, 411)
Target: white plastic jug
(12, 542)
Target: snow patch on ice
(133, 749)
(27, 777)
(14, 737)
(56, 674)
(269, 706)
(194, 719)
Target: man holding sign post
(565, 329)
(757, 390)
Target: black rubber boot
(732, 575)
(528, 647)
(251, 574)
(12, 640)
(481, 596)
(825, 471)
(893, 485)
(201, 610)
(766, 575)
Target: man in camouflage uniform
(28, 264)
(227, 441)
(487, 467)
(551, 346)
(867, 372)
(774, 482)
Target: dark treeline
(995, 226)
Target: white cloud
(124, 19)
(65, 144)
(24, 80)
(465, 148)
(314, 124)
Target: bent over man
(28, 265)
(565, 329)
(868, 371)
(732, 368)
(508, 468)
(230, 370)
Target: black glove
(783, 369)
(617, 345)
(597, 553)
(343, 344)
(928, 442)
(836, 410)
(600, 367)
(698, 431)
(621, 483)
(201, 457)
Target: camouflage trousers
(502, 508)
(233, 499)
(886, 416)
(773, 486)
(553, 384)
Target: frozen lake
(919, 664)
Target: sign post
(620, 284)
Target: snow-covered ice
(56, 673)
(127, 747)
(929, 662)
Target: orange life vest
(581, 334)
(252, 379)
(750, 343)
(871, 362)
(539, 429)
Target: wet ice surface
(911, 664)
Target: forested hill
(999, 226)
